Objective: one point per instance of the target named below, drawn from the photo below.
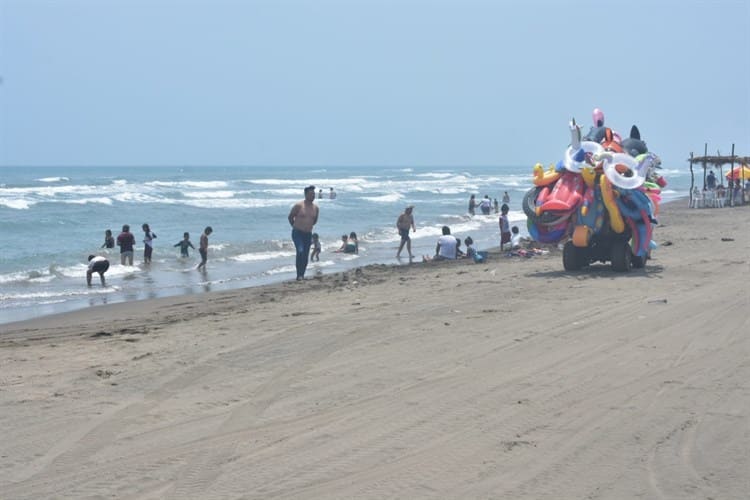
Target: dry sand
(510, 379)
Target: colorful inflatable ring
(575, 158)
(623, 171)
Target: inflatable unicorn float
(602, 198)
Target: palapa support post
(705, 155)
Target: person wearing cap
(302, 217)
(405, 222)
(97, 264)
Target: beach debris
(657, 301)
(727, 239)
(104, 373)
(509, 445)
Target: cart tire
(640, 262)
(621, 257)
(572, 257)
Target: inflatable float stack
(603, 184)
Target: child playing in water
(203, 248)
(109, 240)
(184, 244)
(315, 255)
(353, 245)
(148, 240)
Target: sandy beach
(508, 379)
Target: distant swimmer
(302, 217)
(332, 194)
(97, 264)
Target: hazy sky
(368, 82)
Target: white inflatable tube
(623, 171)
(574, 166)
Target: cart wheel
(572, 260)
(621, 257)
(640, 262)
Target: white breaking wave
(260, 256)
(209, 194)
(384, 198)
(83, 201)
(232, 203)
(16, 204)
(189, 184)
(53, 179)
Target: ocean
(52, 218)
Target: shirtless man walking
(302, 218)
(403, 224)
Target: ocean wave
(233, 203)
(189, 184)
(260, 256)
(209, 194)
(136, 197)
(281, 270)
(384, 198)
(58, 295)
(23, 276)
(435, 175)
(53, 179)
(84, 201)
(16, 204)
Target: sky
(365, 82)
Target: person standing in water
(109, 240)
(405, 222)
(97, 264)
(302, 217)
(315, 255)
(472, 204)
(126, 242)
(203, 248)
(184, 244)
(148, 248)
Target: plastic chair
(696, 201)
